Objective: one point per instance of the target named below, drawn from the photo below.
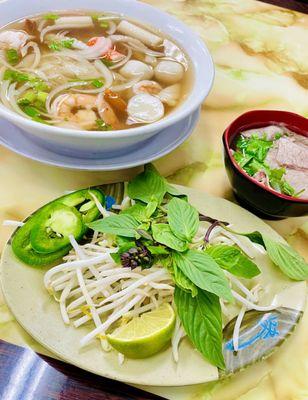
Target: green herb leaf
(174, 192)
(104, 24)
(255, 146)
(204, 272)
(150, 208)
(287, 259)
(183, 282)
(107, 62)
(233, 260)
(158, 250)
(202, 321)
(55, 46)
(242, 159)
(143, 232)
(148, 186)
(12, 56)
(102, 126)
(19, 77)
(163, 234)
(137, 211)
(98, 83)
(254, 237)
(123, 225)
(277, 181)
(183, 219)
(51, 17)
(63, 44)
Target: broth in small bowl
(104, 74)
(266, 161)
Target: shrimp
(78, 109)
(13, 39)
(106, 112)
(101, 47)
(83, 110)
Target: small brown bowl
(254, 196)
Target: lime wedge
(145, 335)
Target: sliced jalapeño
(54, 224)
(23, 249)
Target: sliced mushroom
(135, 68)
(170, 95)
(169, 72)
(146, 86)
(144, 108)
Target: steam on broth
(90, 72)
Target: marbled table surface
(261, 58)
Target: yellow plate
(39, 314)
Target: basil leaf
(151, 208)
(137, 211)
(183, 282)
(255, 237)
(175, 192)
(123, 225)
(183, 219)
(202, 321)
(204, 272)
(158, 250)
(287, 259)
(163, 234)
(147, 186)
(233, 260)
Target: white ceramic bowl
(95, 144)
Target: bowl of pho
(88, 82)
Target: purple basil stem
(208, 232)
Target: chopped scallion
(102, 126)
(12, 56)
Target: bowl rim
(187, 107)
(226, 137)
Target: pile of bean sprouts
(90, 286)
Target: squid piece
(135, 68)
(144, 108)
(13, 39)
(170, 95)
(169, 72)
(146, 86)
(146, 37)
(81, 21)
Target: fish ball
(135, 68)
(169, 72)
(145, 108)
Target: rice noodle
(135, 44)
(126, 85)
(51, 28)
(251, 305)
(37, 53)
(112, 28)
